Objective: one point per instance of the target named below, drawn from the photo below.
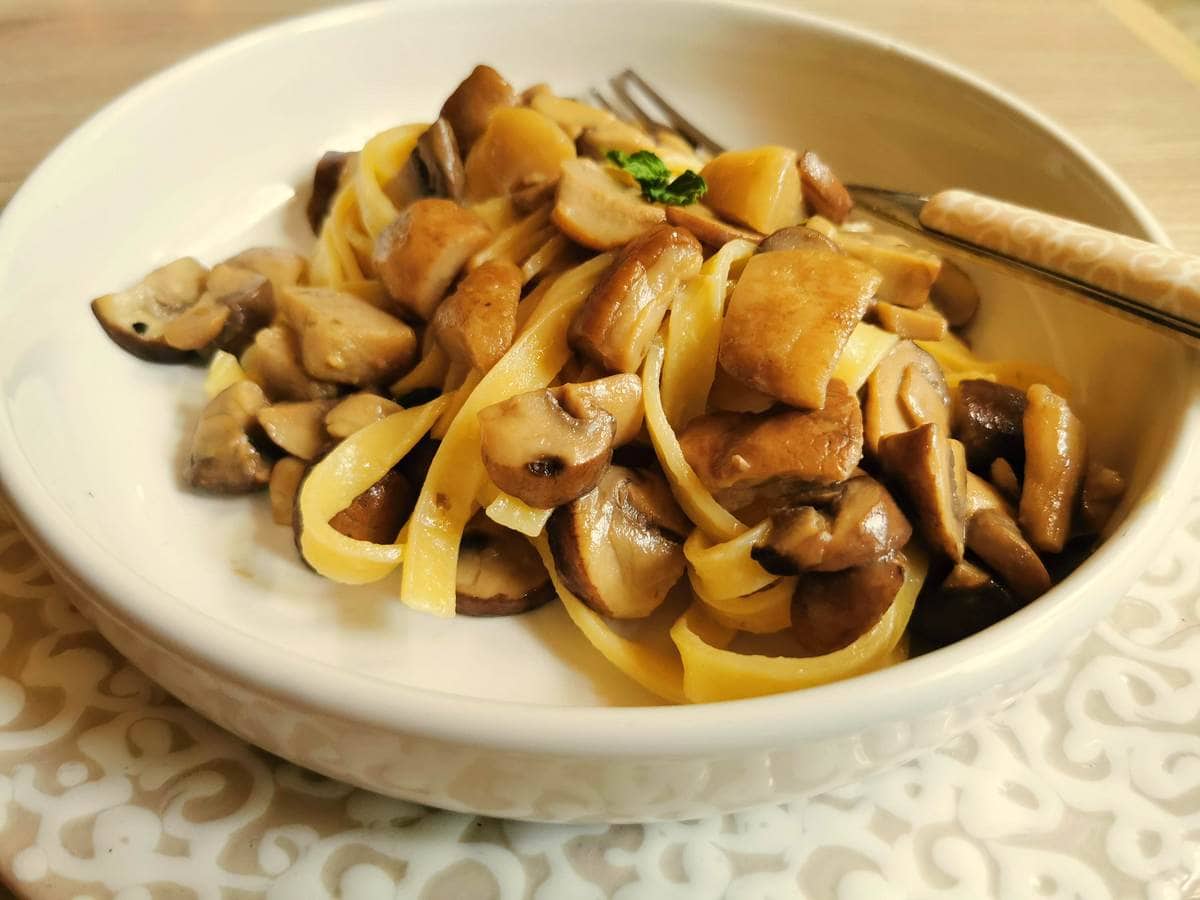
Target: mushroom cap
(473, 102)
(499, 572)
(822, 190)
(136, 318)
(921, 463)
(830, 610)
(905, 390)
(222, 457)
(593, 208)
(988, 420)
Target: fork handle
(1159, 277)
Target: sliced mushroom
(618, 395)
(736, 452)
(476, 323)
(708, 229)
(966, 602)
(283, 268)
(198, 326)
(286, 476)
(865, 525)
(796, 237)
(1103, 489)
(346, 340)
(540, 453)
(979, 495)
(595, 141)
(758, 188)
(954, 294)
(236, 303)
(469, 109)
(1004, 477)
(222, 457)
(135, 318)
(830, 610)
(994, 537)
(273, 362)
(519, 147)
(622, 313)
(924, 324)
(379, 512)
(571, 116)
(1055, 462)
(298, 428)
(920, 462)
(908, 272)
(499, 572)
(356, 412)
(906, 389)
(988, 420)
(326, 178)
(789, 318)
(421, 253)
(593, 208)
(619, 547)
(532, 196)
(442, 165)
(823, 192)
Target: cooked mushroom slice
(476, 323)
(708, 229)
(823, 192)
(441, 163)
(830, 610)
(198, 326)
(540, 453)
(796, 237)
(519, 147)
(597, 140)
(622, 313)
(966, 602)
(571, 116)
(222, 458)
(286, 476)
(920, 462)
(593, 208)
(979, 495)
(533, 196)
(618, 395)
(1055, 462)
(619, 547)
(734, 452)
(236, 303)
(473, 102)
(789, 318)
(994, 537)
(499, 572)
(758, 188)
(298, 428)
(1103, 489)
(906, 389)
(273, 362)
(908, 272)
(283, 268)
(379, 512)
(357, 411)
(1004, 477)
(345, 339)
(954, 294)
(326, 178)
(421, 253)
(135, 318)
(988, 420)
(924, 324)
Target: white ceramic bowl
(515, 717)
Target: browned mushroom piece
(618, 395)
(596, 140)
(905, 390)
(830, 610)
(540, 453)
(476, 323)
(593, 208)
(923, 324)
(1004, 478)
(357, 411)
(298, 428)
(967, 601)
(421, 253)
(499, 572)
(533, 195)
(326, 178)
(737, 453)
(708, 229)
(378, 513)
(273, 362)
(286, 476)
(823, 192)
(222, 457)
(954, 294)
(789, 318)
(920, 462)
(864, 525)
(907, 272)
(1055, 462)
(473, 102)
(1103, 489)
(979, 494)
(796, 237)
(136, 318)
(619, 547)
(994, 537)
(197, 327)
(283, 268)
(988, 420)
(441, 163)
(236, 303)
(622, 313)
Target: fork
(1157, 284)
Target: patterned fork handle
(1158, 277)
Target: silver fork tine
(635, 112)
(690, 132)
(599, 99)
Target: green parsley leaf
(654, 178)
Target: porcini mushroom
(469, 109)
(441, 163)
(476, 323)
(823, 192)
(236, 303)
(967, 601)
(378, 513)
(906, 389)
(1055, 463)
(136, 318)
(593, 208)
(298, 428)
(273, 362)
(994, 537)
(908, 272)
(707, 227)
(618, 395)
(325, 181)
(357, 411)
(831, 609)
(499, 572)
(988, 420)
(796, 237)
(921, 463)
(222, 457)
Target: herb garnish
(652, 174)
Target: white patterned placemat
(1088, 787)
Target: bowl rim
(920, 685)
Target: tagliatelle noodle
(345, 472)
(693, 335)
(512, 512)
(516, 242)
(456, 475)
(335, 260)
(725, 569)
(430, 372)
(959, 363)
